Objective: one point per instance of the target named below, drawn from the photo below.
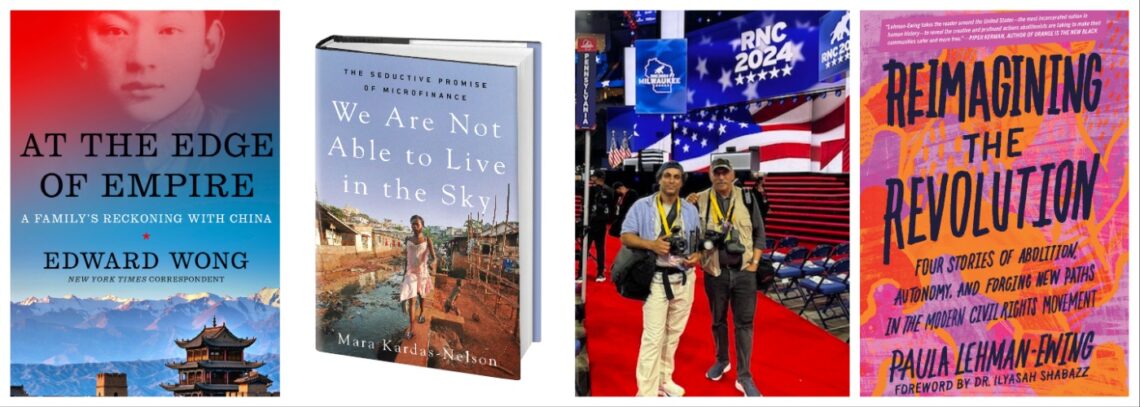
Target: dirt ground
(488, 331)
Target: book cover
(995, 203)
(422, 221)
(144, 203)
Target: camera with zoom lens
(678, 245)
(713, 239)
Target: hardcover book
(144, 203)
(426, 216)
(995, 203)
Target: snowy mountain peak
(192, 297)
(110, 297)
(268, 296)
(30, 301)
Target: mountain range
(71, 330)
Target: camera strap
(668, 226)
(715, 206)
(669, 284)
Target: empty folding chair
(832, 287)
(769, 247)
(788, 271)
(816, 263)
(842, 251)
(786, 244)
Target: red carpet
(790, 357)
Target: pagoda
(214, 363)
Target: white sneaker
(670, 389)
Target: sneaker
(748, 388)
(718, 370)
(670, 389)
(600, 279)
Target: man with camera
(732, 242)
(626, 196)
(666, 225)
(601, 214)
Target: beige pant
(662, 323)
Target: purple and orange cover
(994, 203)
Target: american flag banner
(830, 133)
(707, 131)
(806, 133)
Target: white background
(309, 377)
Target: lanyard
(716, 207)
(665, 219)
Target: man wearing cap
(626, 196)
(651, 224)
(601, 214)
(732, 244)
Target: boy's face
(149, 61)
(670, 181)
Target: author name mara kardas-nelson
(388, 345)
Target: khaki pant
(663, 321)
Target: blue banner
(755, 56)
(834, 43)
(585, 94)
(645, 17)
(661, 75)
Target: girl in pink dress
(421, 261)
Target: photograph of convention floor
(674, 108)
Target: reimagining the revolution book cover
(995, 203)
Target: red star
(146, 236)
